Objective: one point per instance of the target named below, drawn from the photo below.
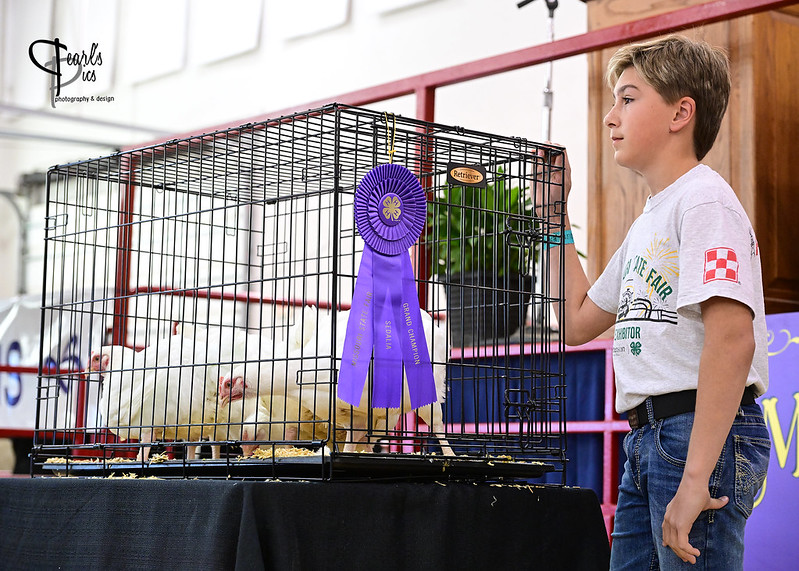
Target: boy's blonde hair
(678, 67)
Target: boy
(684, 292)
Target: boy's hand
(681, 513)
(545, 173)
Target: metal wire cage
(197, 295)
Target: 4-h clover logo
(635, 348)
(391, 208)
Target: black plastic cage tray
(340, 467)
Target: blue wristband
(556, 239)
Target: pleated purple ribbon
(385, 319)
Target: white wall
(174, 66)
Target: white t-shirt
(692, 242)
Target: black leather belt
(664, 406)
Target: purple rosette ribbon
(385, 320)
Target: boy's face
(639, 123)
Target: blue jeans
(655, 461)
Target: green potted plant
(482, 249)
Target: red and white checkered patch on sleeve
(721, 264)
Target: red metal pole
(124, 242)
(610, 466)
(425, 110)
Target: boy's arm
(723, 368)
(583, 319)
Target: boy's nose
(610, 119)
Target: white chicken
(155, 394)
(272, 415)
(121, 371)
(251, 421)
(219, 348)
(300, 370)
(168, 391)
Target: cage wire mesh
(197, 295)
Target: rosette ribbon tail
(357, 350)
(385, 321)
(415, 356)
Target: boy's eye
(623, 100)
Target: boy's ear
(685, 110)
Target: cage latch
(520, 407)
(53, 222)
(521, 232)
